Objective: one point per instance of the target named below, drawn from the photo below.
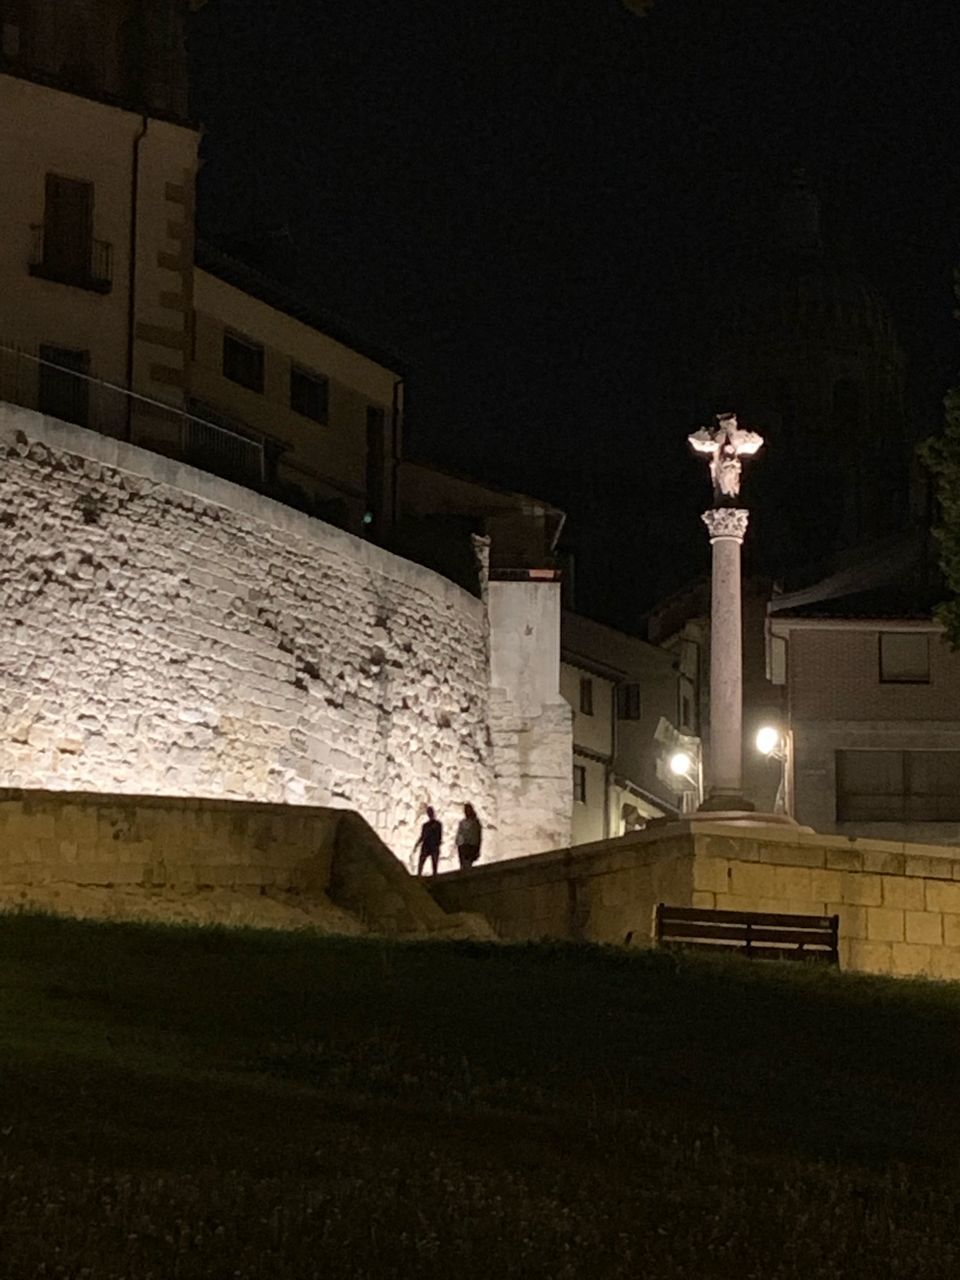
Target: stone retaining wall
(176, 859)
(899, 904)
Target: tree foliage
(941, 454)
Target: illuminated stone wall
(163, 632)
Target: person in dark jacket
(429, 841)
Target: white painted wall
(525, 625)
(530, 723)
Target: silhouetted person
(429, 841)
(468, 837)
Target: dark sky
(529, 198)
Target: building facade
(873, 725)
(106, 318)
(626, 696)
(96, 267)
(871, 697)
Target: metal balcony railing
(54, 388)
(58, 383)
(85, 265)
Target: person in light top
(468, 837)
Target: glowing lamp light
(680, 764)
(768, 739)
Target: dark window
(309, 394)
(243, 362)
(628, 702)
(80, 68)
(586, 696)
(11, 40)
(904, 657)
(64, 390)
(66, 236)
(898, 786)
(580, 783)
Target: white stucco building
(620, 689)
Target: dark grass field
(205, 1103)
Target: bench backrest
(763, 934)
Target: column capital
(726, 522)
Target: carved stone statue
(725, 444)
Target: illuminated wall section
(165, 632)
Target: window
(64, 390)
(309, 394)
(64, 248)
(580, 784)
(243, 362)
(904, 657)
(628, 702)
(898, 786)
(586, 696)
(11, 40)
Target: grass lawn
(203, 1103)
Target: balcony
(224, 448)
(83, 263)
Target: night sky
(531, 200)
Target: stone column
(726, 526)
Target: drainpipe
(612, 766)
(396, 446)
(132, 265)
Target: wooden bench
(762, 935)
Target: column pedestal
(726, 526)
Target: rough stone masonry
(164, 632)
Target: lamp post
(770, 742)
(688, 770)
(724, 445)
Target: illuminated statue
(726, 444)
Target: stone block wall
(166, 632)
(209, 860)
(599, 892)
(898, 904)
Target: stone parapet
(898, 904)
(164, 857)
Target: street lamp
(681, 765)
(772, 744)
(686, 769)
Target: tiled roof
(883, 604)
